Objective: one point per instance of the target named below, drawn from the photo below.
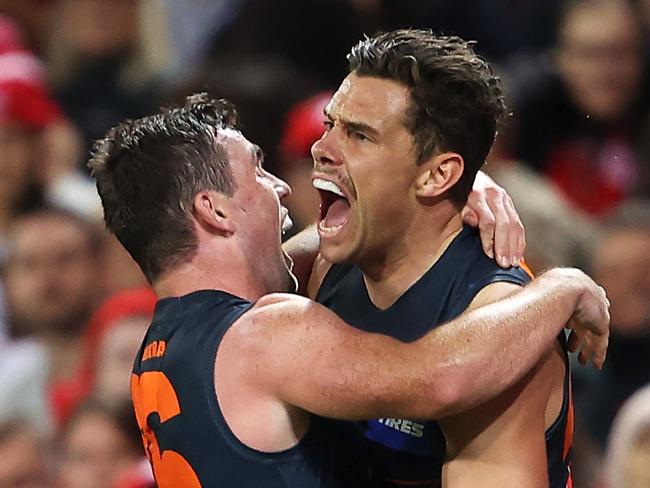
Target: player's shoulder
(493, 292)
(486, 268)
(279, 300)
(273, 310)
(273, 319)
(475, 278)
(480, 267)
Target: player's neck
(410, 257)
(231, 275)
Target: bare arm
(304, 355)
(480, 441)
(303, 249)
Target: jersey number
(152, 392)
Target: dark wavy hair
(456, 100)
(148, 172)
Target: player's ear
(439, 174)
(212, 211)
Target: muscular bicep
(301, 353)
(503, 439)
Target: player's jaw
(290, 280)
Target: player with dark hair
(406, 133)
(236, 385)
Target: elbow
(450, 393)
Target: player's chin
(336, 252)
(339, 247)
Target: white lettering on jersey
(409, 427)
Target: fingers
(600, 354)
(590, 326)
(501, 228)
(485, 217)
(573, 342)
(487, 238)
(517, 237)
(590, 347)
(469, 216)
(600, 325)
(583, 357)
(605, 311)
(585, 351)
(594, 348)
(502, 233)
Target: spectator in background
(580, 116)
(38, 150)
(301, 33)
(505, 29)
(99, 65)
(645, 12)
(25, 112)
(34, 18)
(189, 28)
(111, 340)
(100, 444)
(53, 283)
(119, 270)
(38, 146)
(620, 262)
(24, 370)
(25, 457)
(628, 447)
(119, 327)
(303, 126)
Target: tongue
(337, 213)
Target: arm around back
(303, 249)
(302, 354)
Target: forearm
(487, 350)
(303, 249)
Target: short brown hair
(148, 172)
(456, 100)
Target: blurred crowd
(574, 154)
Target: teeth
(327, 186)
(287, 223)
(330, 230)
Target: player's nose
(281, 187)
(324, 151)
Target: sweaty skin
(395, 228)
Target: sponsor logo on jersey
(409, 427)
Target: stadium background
(574, 155)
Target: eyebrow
(353, 125)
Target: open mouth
(285, 220)
(334, 207)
